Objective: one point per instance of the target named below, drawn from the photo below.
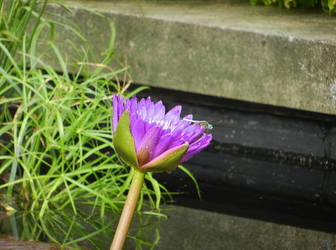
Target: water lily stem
(128, 211)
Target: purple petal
(163, 145)
(148, 144)
(172, 117)
(182, 124)
(142, 111)
(193, 132)
(138, 131)
(118, 109)
(131, 105)
(159, 112)
(197, 146)
(115, 113)
(188, 117)
(150, 110)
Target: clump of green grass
(57, 160)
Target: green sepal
(168, 161)
(123, 141)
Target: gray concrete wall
(191, 229)
(252, 53)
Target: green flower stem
(128, 211)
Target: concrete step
(188, 228)
(200, 230)
(218, 48)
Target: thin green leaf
(193, 179)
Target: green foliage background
(328, 6)
(60, 179)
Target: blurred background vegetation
(327, 6)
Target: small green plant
(328, 6)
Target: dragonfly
(205, 124)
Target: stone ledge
(188, 228)
(250, 53)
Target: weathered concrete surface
(188, 228)
(252, 53)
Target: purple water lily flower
(149, 139)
